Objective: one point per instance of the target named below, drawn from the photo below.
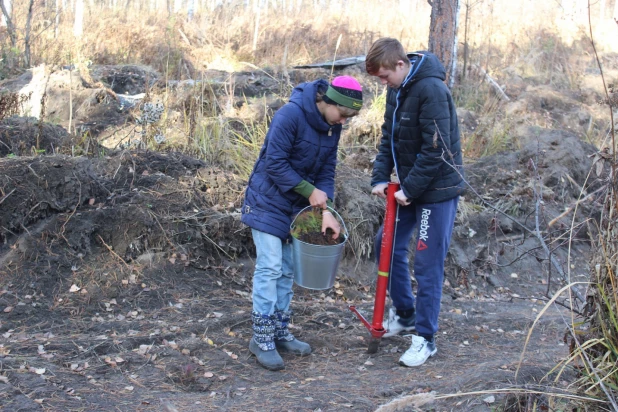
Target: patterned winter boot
(262, 343)
(284, 340)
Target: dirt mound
(21, 136)
(69, 214)
(125, 79)
(67, 97)
(504, 227)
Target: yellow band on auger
(382, 273)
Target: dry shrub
(11, 104)
(599, 353)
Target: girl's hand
(329, 221)
(318, 198)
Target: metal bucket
(315, 266)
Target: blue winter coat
(300, 145)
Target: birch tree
(443, 34)
(6, 6)
(78, 24)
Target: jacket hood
(303, 95)
(424, 64)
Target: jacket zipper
(408, 78)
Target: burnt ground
(183, 343)
(125, 281)
(126, 284)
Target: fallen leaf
(8, 309)
(143, 349)
(208, 374)
(231, 354)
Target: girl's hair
(384, 52)
(320, 96)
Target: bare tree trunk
(466, 25)
(27, 54)
(256, 30)
(57, 19)
(6, 6)
(443, 34)
(78, 24)
(190, 9)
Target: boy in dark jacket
(295, 169)
(420, 142)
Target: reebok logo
(423, 236)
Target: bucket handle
(345, 229)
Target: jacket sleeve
(384, 163)
(281, 136)
(325, 180)
(434, 121)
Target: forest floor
(125, 276)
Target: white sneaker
(395, 325)
(419, 352)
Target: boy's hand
(380, 190)
(318, 198)
(329, 221)
(401, 198)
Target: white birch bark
(190, 9)
(78, 24)
(8, 5)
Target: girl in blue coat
(295, 169)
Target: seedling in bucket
(315, 265)
(307, 227)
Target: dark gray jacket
(420, 135)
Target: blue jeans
(434, 222)
(274, 274)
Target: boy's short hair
(384, 52)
